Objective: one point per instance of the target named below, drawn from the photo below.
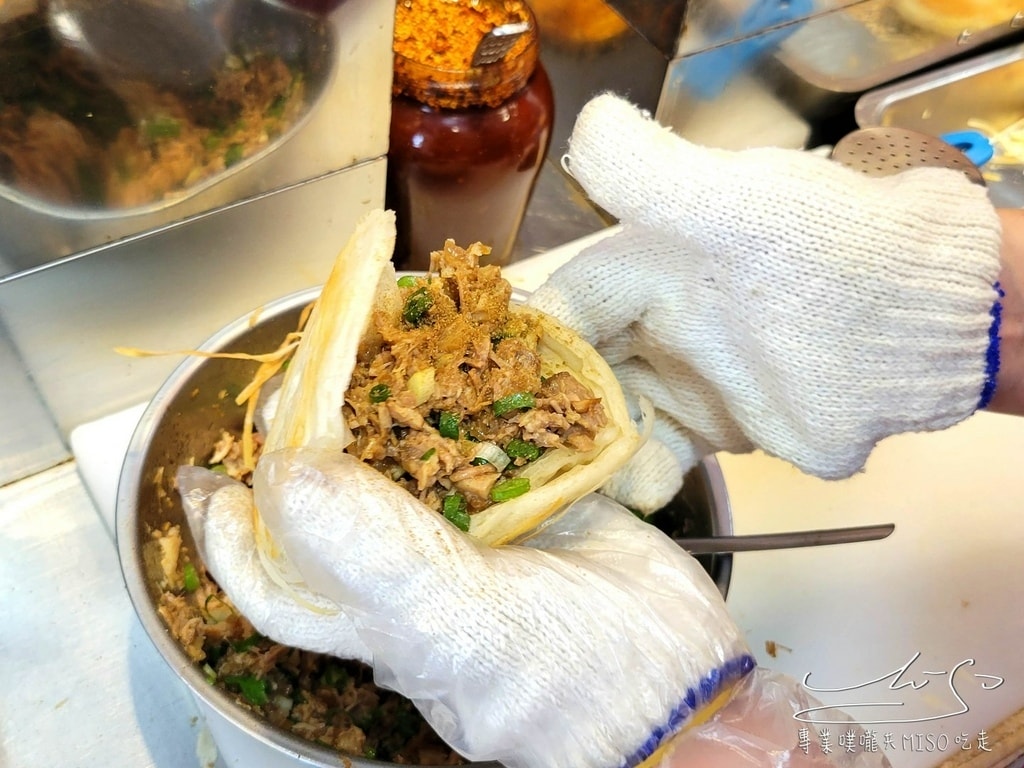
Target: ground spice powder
(434, 43)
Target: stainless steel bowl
(38, 230)
(182, 421)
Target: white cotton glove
(587, 647)
(775, 299)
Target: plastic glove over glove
(593, 644)
(775, 299)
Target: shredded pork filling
(331, 701)
(452, 374)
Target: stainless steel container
(983, 88)
(181, 422)
(749, 72)
(40, 230)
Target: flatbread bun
(322, 371)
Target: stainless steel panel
(867, 44)
(168, 290)
(679, 27)
(627, 64)
(815, 57)
(660, 22)
(29, 441)
(712, 23)
(734, 110)
(986, 87)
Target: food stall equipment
(842, 619)
(974, 96)
(743, 72)
(78, 279)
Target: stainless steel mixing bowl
(180, 425)
(39, 229)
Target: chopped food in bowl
(501, 376)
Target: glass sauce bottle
(467, 142)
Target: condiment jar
(467, 142)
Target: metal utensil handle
(496, 43)
(755, 542)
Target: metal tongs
(756, 542)
(498, 42)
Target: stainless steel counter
(82, 686)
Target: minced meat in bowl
(75, 144)
(327, 701)
(325, 709)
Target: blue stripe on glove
(705, 691)
(992, 355)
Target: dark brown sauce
(466, 174)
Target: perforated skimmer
(883, 151)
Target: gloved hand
(775, 299)
(590, 646)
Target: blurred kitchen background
(83, 271)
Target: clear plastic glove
(775, 299)
(592, 644)
(756, 729)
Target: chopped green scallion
(276, 108)
(510, 489)
(252, 688)
(190, 578)
(513, 402)
(220, 469)
(335, 676)
(217, 609)
(233, 154)
(520, 449)
(162, 128)
(453, 507)
(428, 455)
(406, 281)
(379, 393)
(448, 425)
(245, 644)
(416, 306)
